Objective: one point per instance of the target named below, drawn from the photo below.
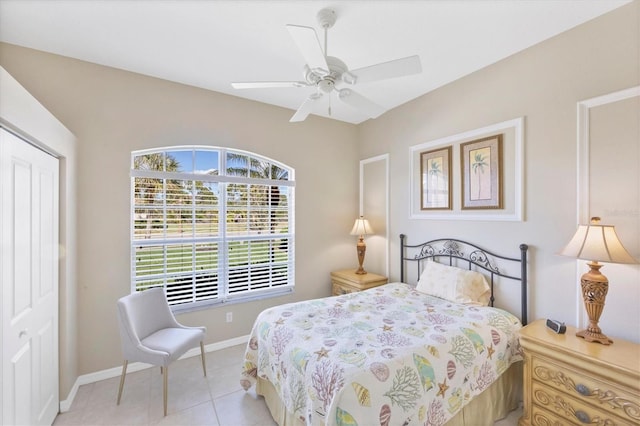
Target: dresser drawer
(589, 391)
(568, 380)
(541, 417)
(577, 411)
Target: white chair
(151, 334)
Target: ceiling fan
(329, 74)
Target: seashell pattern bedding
(389, 355)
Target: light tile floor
(216, 400)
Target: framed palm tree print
(435, 179)
(481, 166)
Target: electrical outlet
(229, 316)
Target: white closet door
(29, 262)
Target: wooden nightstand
(348, 281)
(570, 381)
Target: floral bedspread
(386, 356)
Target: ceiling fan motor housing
(323, 80)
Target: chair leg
(204, 367)
(164, 388)
(124, 373)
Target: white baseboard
(137, 366)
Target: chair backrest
(141, 314)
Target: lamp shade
(597, 242)
(361, 227)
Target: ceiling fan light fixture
(349, 78)
(326, 85)
(344, 93)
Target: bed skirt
(503, 396)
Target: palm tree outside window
(211, 225)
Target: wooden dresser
(570, 381)
(347, 281)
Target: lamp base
(590, 336)
(360, 271)
(361, 247)
(594, 291)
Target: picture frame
(435, 179)
(511, 175)
(481, 173)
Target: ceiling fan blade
(305, 109)
(360, 103)
(307, 41)
(382, 71)
(267, 84)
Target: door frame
(33, 330)
(22, 114)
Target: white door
(29, 277)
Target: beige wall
(543, 84)
(113, 112)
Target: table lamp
(361, 228)
(596, 243)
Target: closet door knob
(23, 333)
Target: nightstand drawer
(347, 281)
(572, 409)
(339, 289)
(587, 390)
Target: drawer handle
(583, 390)
(583, 417)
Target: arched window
(211, 225)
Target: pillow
(454, 284)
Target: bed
(437, 352)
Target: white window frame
(222, 239)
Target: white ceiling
(209, 44)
